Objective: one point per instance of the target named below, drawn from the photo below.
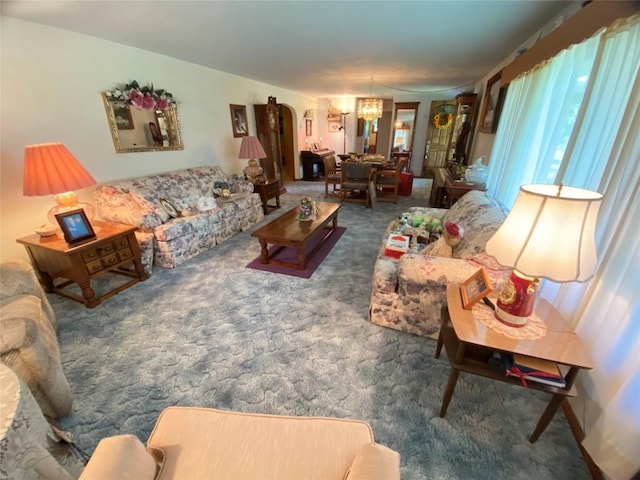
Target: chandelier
(370, 108)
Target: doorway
(286, 143)
(438, 131)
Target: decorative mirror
(404, 127)
(142, 119)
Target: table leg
(448, 393)
(264, 252)
(88, 294)
(301, 259)
(547, 415)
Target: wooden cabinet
(268, 131)
(459, 144)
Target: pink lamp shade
(51, 169)
(251, 148)
(549, 233)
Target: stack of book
(533, 369)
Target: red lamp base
(517, 298)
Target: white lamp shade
(550, 233)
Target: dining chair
(332, 176)
(356, 179)
(387, 182)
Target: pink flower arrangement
(143, 98)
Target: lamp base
(66, 202)
(253, 170)
(515, 305)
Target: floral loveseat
(169, 241)
(408, 293)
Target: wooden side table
(115, 247)
(268, 190)
(445, 191)
(468, 344)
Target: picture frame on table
(239, 123)
(75, 226)
(122, 114)
(492, 104)
(307, 128)
(475, 288)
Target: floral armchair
(408, 293)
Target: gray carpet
(213, 333)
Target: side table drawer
(106, 249)
(94, 267)
(125, 254)
(90, 256)
(110, 260)
(122, 243)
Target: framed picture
(492, 104)
(75, 226)
(239, 120)
(475, 288)
(307, 127)
(122, 114)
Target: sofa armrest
(375, 462)
(123, 457)
(18, 278)
(419, 271)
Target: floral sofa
(408, 293)
(166, 240)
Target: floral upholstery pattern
(168, 242)
(408, 293)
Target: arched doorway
(287, 139)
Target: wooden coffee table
(468, 344)
(287, 231)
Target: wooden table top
(560, 344)
(287, 227)
(56, 242)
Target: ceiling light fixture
(370, 108)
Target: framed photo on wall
(75, 226)
(239, 124)
(307, 128)
(475, 288)
(122, 114)
(492, 104)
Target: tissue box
(397, 245)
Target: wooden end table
(115, 247)
(468, 344)
(268, 190)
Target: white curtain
(601, 152)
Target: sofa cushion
(243, 446)
(375, 462)
(121, 457)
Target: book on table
(533, 369)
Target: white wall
(51, 81)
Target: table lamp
(51, 169)
(250, 148)
(549, 233)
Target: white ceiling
(320, 48)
